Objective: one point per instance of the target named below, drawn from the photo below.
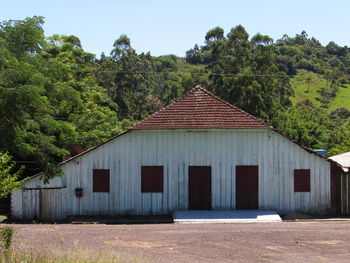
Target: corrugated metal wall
(344, 182)
(53, 204)
(31, 204)
(340, 191)
(40, 204)
(276, 156)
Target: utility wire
(25, 162)
(204, 73)
(198, 73)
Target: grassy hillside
(342, 99)
(306, 86)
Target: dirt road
(259, 242)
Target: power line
(198, 73)
(26, 162)
(206, 73)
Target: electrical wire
(197, 73)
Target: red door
(247, 187)
(199, 187)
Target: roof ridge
(193, 99)
(167, 106)
(229, 104)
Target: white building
(343, 159)
(199, 152)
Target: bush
(58, 256)
(6, 235)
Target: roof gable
(200, 109)
(343, 159)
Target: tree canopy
(9, 179)
(56, 99)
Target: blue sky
(172, 27)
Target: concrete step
(225, 216)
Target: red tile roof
(200, 109)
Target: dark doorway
(199, 187)
(247, 187)
(5, 206)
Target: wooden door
(53, 204)
(247, 187)
(45, 204)
(199, 181)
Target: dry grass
(3, 218)
(63, 257)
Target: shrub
(6, 235)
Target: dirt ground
(259, 242)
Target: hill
(308, 86)
(56, 98)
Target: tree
(339, 142)
(9, 180)
(244, 72)
(22, 37)
(78, 100)
(49, 98)
(55, 97)
(27, 122)
(308, 80)
(129, 78)
(309, 126)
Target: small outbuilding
(341, 183)
(343, 159)
(198, 153)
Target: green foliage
(310, 105)
(27, 125)
(23, 37)
(242, 71)
(306, 86)
(56, 97)
(9, 180)
(339, 141)
(309, 126)
(129, 79)
(316, 89)
(60, 256)
(302, 52)
(6, 235)
(49, 99)
(341, 99)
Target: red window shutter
(100, 180)
(152, 179)
(302, 180)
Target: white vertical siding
(47, 204)
(31, 204)
(276, 156)
(16, 204)
(53, 204)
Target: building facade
(197, 153)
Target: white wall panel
(17, 204)
(276, 156)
